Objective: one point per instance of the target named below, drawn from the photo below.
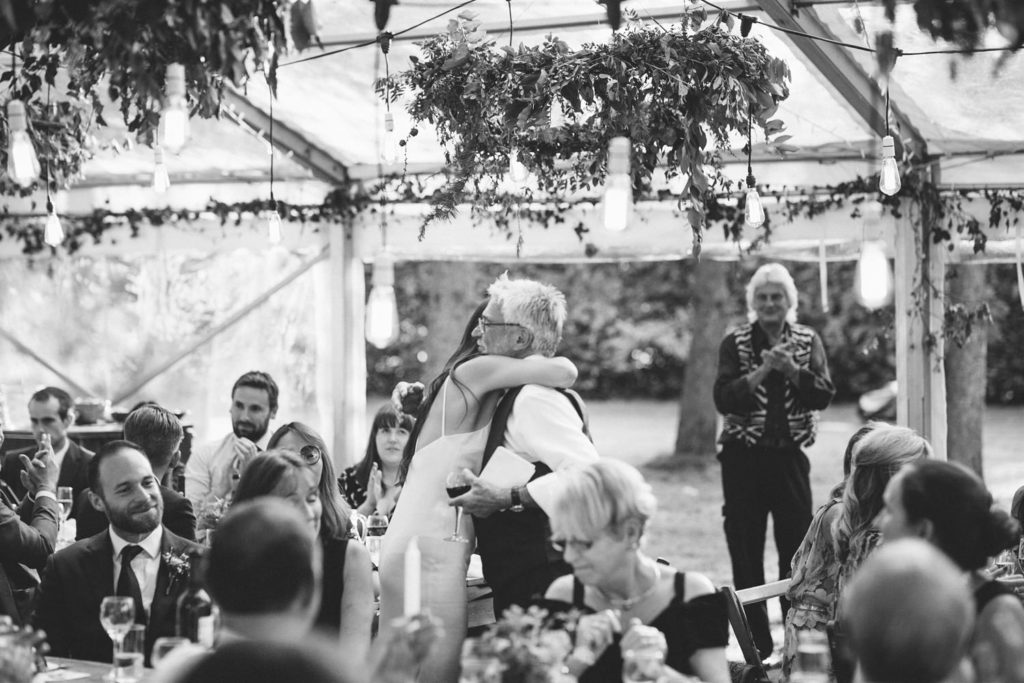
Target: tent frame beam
(839, 69)
(288, 140)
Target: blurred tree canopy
(629, 327)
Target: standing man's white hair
(776, 274)
(538, 307)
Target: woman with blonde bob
(630, 600)
(844, 532)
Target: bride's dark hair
(467, 349)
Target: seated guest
(629, 598)
(303, 441)
(26, 545)
(346, 603)
(129, 559)
(948, 505)
(213, 470)
(265, 662)
(52, 412)
(158, 432)
(908, 615)
(372, 484)
(843, 532)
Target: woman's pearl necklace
(626, 604)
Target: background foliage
(630, 326)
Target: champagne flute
(456, 485)
(117, 614)
(65, 498)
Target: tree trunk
(695, 438)
(965, 372)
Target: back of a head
(263, 558)
(953, 499)
(908, 613)
(263, 662)
(157, 430)
(538, 307)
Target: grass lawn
(688, 527)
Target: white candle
(412, 579)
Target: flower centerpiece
(522, 647)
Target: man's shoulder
(77, 451)
(180, 545)
(73, 554)
(173, 500)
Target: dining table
(83, 671)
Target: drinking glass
(813, 660)
(117, 614)
(128, 663)
(65, 498)
(164, 646)
(645, 665)
(456, 485)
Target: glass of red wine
(456, 484)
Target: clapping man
(159, 433)
(52, 413)
(26, 545)
(131, 557)
(213, 470)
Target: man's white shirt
(206, 470)
(545, 427)
(146, 564)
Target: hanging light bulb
(381, 307)
(873, 279)
(618, 186)
(174, 118)
(53, 232)
(753, 212)
(274, 227)
(556, 115)
(161, 181)
(22, 163)
(889, 182)
(389, 143)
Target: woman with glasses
(346, 601)
(449, 436)
(630, 601)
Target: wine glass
(456, 485)
(164, 645)
(117, 614)
(65, 498)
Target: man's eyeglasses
(484, 323)
(310, 454)
(560, 544)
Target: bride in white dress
(450, 435)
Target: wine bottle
(195, 615)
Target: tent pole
(919, 293)
(348, 350)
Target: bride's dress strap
(444, 403)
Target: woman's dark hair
(965, 525)
(467, 349)
(386, 418)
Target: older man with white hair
(772, 380)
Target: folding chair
(734, 601)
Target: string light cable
(274, 217)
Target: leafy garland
(118, 51)
(668, 91)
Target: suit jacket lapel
(69, 467)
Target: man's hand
(41, 472)
(483, 498)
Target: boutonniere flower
(178, 567)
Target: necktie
(128, 583)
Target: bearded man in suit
(52, 412)
(159, 432)
(131, 557)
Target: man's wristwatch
(517, 500)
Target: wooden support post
(348, 348)
(919, 292)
